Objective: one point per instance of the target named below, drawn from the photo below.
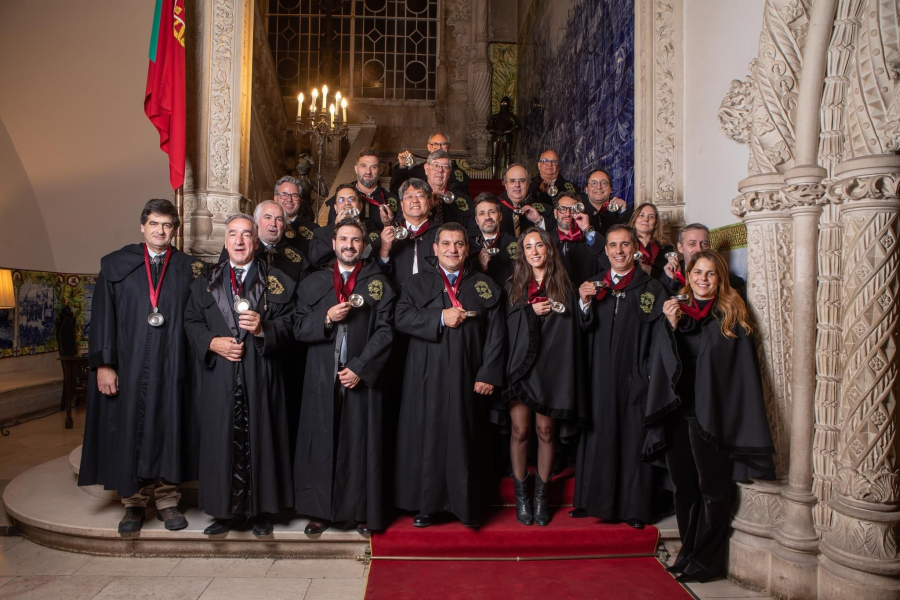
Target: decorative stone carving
(750, 202)
(221, 80)
(736, 111)
(664, 115)
(803, 194)
(866, 539)
(761, 508)
(459, 19)
(881, 485)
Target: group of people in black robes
(372, 363)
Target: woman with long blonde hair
(652, 242)
(716, 429)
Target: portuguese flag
(164, 99)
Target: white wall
(720, 39)
(73, 77)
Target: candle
(315, 95)
(324, 96)
(344, 109)
(337, 100)
(300, 105)
(331, 110)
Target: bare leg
(518, 439)
(546, 431)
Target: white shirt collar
(245, 267)
(446, 272)
(414, 227)
(343, 268)
(155, 254)
(620, 275)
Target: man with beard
(338, 471)
(496, 250)
(455, 360)
(458, 179)
(578, 244)
(447, 206)
(602, 208)
(515, 205)
(238, 316)
(403, 258)
(299, 219)
(137, 429)
(548, 182)
(693, 239)
(379, 204)
(623, 316)
(346, 198)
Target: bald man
(459, 179)
(548, 177)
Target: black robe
(579, 259)
(369, 211)
(321, 251)
(144, 433)
(602, 221)
(243, 428)
(500, 265)
(545, 371)
(299, 233)
(443, 461)
(462, 211)
(657, 268)
(611, 482)
(507, 225)
(726, 397)
(543, 198)
(338, 468)
(459, 179)
(400, 265)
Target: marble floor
(32, 572)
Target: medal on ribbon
(155, 318)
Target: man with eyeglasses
(346, 198)
(602, 208)
(548, 183)
(578, 243)
(377, 204)
(691, 240)
(299, 220)
(400, 259)
(515, 204)
(447, 206)
(458, 179)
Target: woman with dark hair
(544, 366)
(652, 242)
(715, 429)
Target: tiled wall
(576, 61)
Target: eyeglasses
(440, 144)
(519, 181)
(416, 197)
(342, 199)
(603, 185)
(286, 196)
(444, 168)
(566, 209)
(549, 161)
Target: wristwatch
(588, 230)
(328, 322)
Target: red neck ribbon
(234, 286)
(508, 204)
(650, 253)
(574, 233)
(451, 289)
(623, 283)
(420, 231)
(493, 241)
(154, 292)
(343, 289)
(369, 198)
(693, 310)
(680, 278)
(535, 292)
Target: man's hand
(250, 321)
(227, 348)
(454, 316)
(618, 202)
(672, 267)
(531, 213)
(672, 310)
(338, 312)
(107, 381)
(587, 292)
(348, 378)
(485, 389)
(387, 240)
(541, 308)
(582, 220)
(483, 259)
(386, 214)
(402, 157)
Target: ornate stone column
(861, 558)
(219, 47)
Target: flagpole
(179, 206)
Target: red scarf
(574, 233)
(694, 311)
(534, 292)
(343, 289)
(421, 231)
(623, 283)
(650, 253)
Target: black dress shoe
(675, 568)
(316, 526)
(421, 520)
(684, 577)
(474, 524)
(173, 518)
(578, 513)
(261, 526)
(132, 521)
(363, 529)
(636, 523)
(218, 527)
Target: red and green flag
(164, 98)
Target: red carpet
(562, 489)
(476, 186)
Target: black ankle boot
(541, 500)
(524, 510)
